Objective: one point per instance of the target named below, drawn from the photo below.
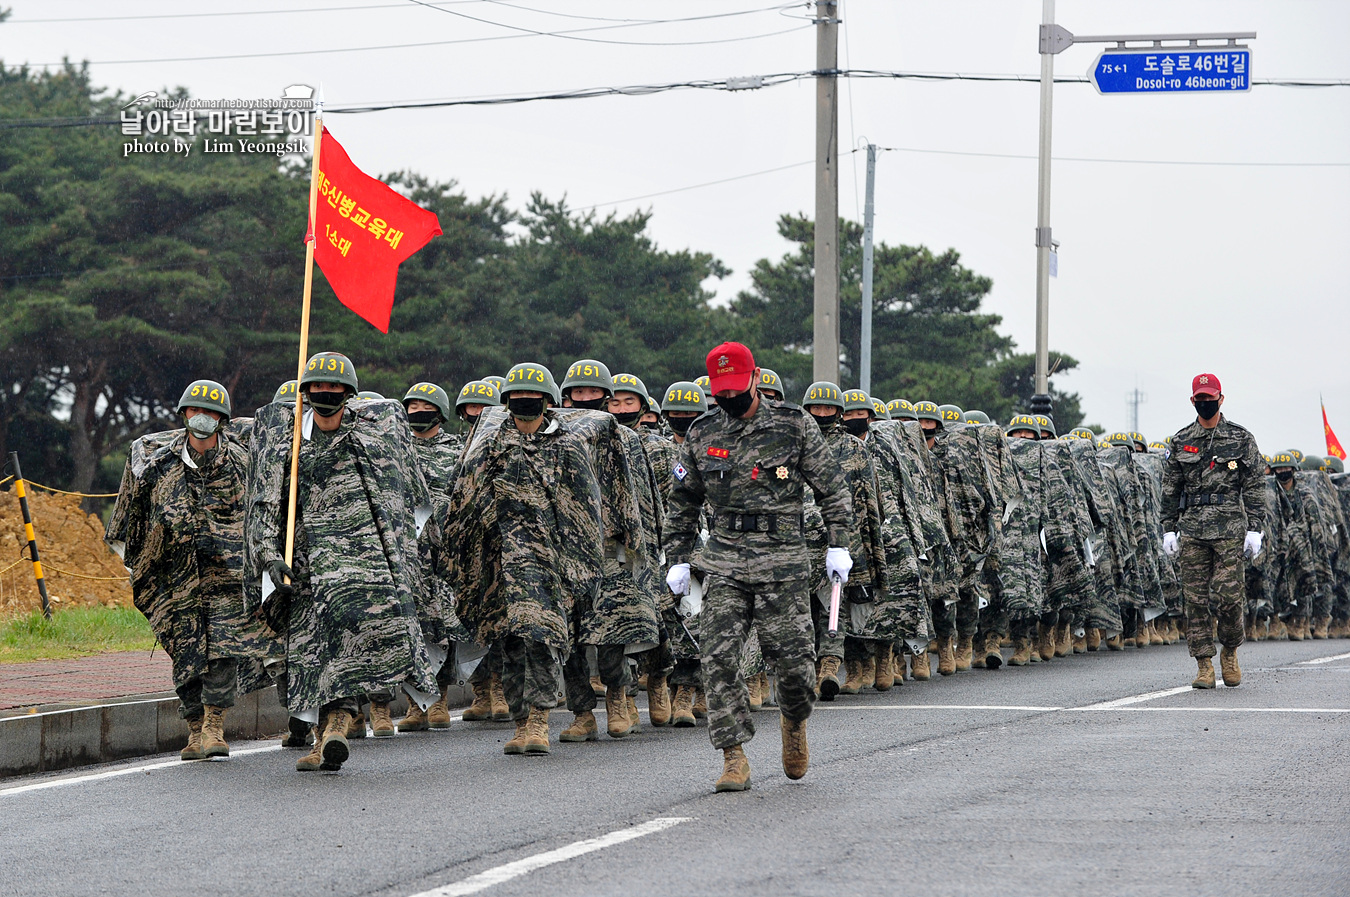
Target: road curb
(136, 727)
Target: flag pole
(304, 331)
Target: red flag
(1333, 444)
(364, 230)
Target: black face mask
(1207, 408)
(591, 404)
(680, 425)
(653, 425)
(931, 434)
(472, 418)
(1284, 475)
(326, 404)
(628, 418)
(827, 423)
(421, 421)
(525, 409)
(857, 426)
(737, 405)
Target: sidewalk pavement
(81, 681)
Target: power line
(251, 12)
(906, 149)
(739, 177)
(718, 15)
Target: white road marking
(1228, 709)
(495, 876)
(1317, 660)
(130, 770)
(1033, 709)
(1135, 699)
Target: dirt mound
(69, 542)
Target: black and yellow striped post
(22, 492)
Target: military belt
(1196, 499)
(756, 523)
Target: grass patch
(74, 632)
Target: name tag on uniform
(715, 452)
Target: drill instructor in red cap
(751, 462)
(1213, 511)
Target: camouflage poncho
(437, 457)
(180, 529)
(900, 610)
(353, 623)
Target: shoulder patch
(680, 472)
(1190, 448)
(715, 452)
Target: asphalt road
(1053, 779)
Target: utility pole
(1041, 402)
(1134, 398)
(825, 340)
(865, 351)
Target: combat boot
(213, 733)
(700, 704)
(885, 676)
(658, 701)
(501, 711)
(682, 714)
(536, 731)
(1320, 626)
(918, 667)
(481, 708)
(634, 719)
(1045, 641)
(313, 761)
(356, 725)
(735, 771)
(438, 714)
(517, 743)
(1205, 677)
(827, 683)
(869, 672)
(193, 750)
(1296, 630)
(298, 734)
(617, 724)
(380, 722)
(336, 750)
(853, 681)
(583, 729)
(1115, 642)
(1021, 652)
(1279, 630)
(947, 655)
(766, 690)
(1063, 640)
(416, 720)
(597, 687)
(796, 753)
(1155, 637)
(1094, 639)
(1080, 644)
(965, 653)
(1232, 673)
(756, 696)
(993, 653)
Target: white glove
(677, 577)
(1170, 546)
(837, 561)
(1251, 546)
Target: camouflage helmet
(951, 414)
(369, 394)
(1119, 438)
(206, 394)
(1083, 433)
(478, 392)
(770, 381)
(1158, 445)
(856, 398)
(1332, 464)
(705, 384)
(496, 381)
(330, 367)
(1282, 459)
(900, 409)
(879, 408)
(1298, 456)
(1310, 462)
(429, 392)
(1024, 422)
(653, 405)
(977, 417)
(587, 372)
(823, 392)
(529, 376)
(684, 395)
(1139, 438)
(1046, 424)
(927, 411)
(286, 393)
(631, 383)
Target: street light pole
(1041, 402)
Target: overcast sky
(1165, 270)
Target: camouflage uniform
(1213, 494)
(437, 457)
(352, 623)
(956, 451)
(1109, 549)
(1071, 586)
(1025, 569)
(179, 525)
(753, 473)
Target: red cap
(730, 366)
(1206, 385)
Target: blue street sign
(1173, 70)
